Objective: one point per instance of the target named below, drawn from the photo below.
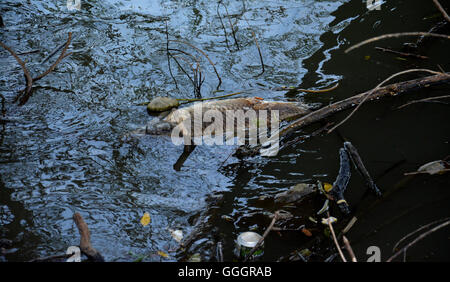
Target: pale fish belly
(230, 116)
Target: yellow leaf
(163, 254)
(145, 220)
(327, 187)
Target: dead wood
(389, 90)
(25, 94)
(85, 240)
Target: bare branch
(394, 35)
(441, 9)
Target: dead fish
(251, 108)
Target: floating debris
(177, 235)
(295, 193)
(246, 242)
(435, 167)
(163, 254)
(329, 220)
(195, 258)
(145, 220)
(324, 208)
(227, 218)
(161, 104)
(341, 182)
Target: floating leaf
(163, 254)
(306, 232)
(327, 187)
(145, 220)
(177, 235)
(367, 57)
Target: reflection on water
(65, 154)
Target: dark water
(64, 152)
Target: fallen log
(389, 90)
(85, 240)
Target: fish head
(158, 127)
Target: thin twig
(424, 100)
(186, 53)
(61, 56)
(433, 29)
(231, 24)
(284, 88)
(417, 230)
(204, 54)
(349, 248)
(53, 53)
(259, 53)
(182, 69)
(168, 56)
(404, 249)
(223, 26)
(335, 240)
(318, 91)
(252, 251)
(51, 258)
(349, 225)
(441, 9)
(27, 93)
(28, 52)
(28, 78)
(257, 46)
(403, 54)
(378, 87)
(394, 35)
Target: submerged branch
(385, 91)
(424, 100)
(441, 9)
(389, 90)
(28, 78)
(378, 87)
(394, 35)
(25, 94)
(403, 54)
